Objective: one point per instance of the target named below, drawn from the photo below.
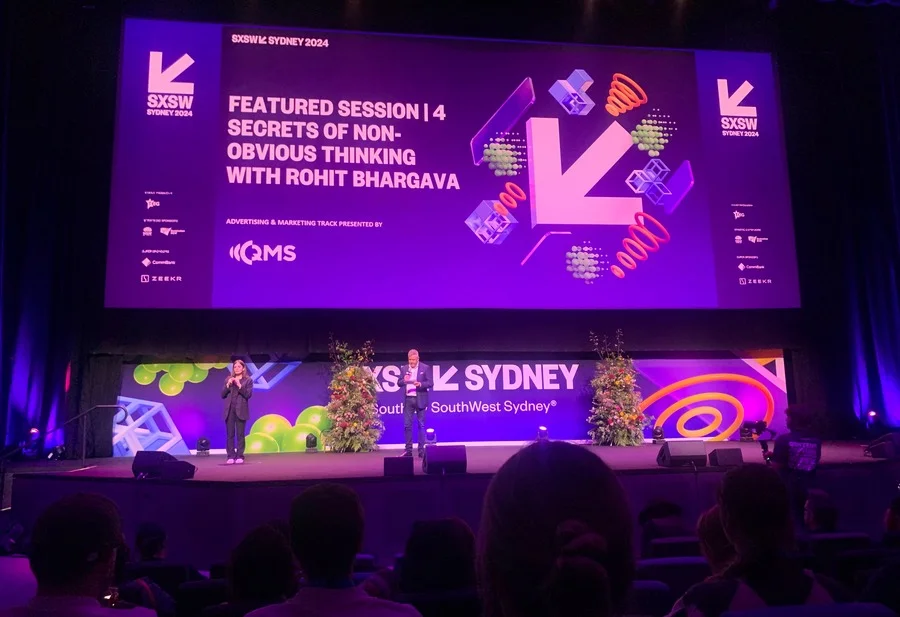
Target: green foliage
(616, 408)
(352, 408)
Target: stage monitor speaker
(726, 457)
(886, 446)
(442, 460)
(161, 465)
(682, 454)
(399, 466)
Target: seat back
(650, 599)
(829, 610)
(679, 546)
(679, 573)
(464, 603)
(195, 596)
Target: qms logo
(165, 96)
(738, 120)
(248, 252)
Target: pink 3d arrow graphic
(558, 197)
(163, 81)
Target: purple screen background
(422, 254)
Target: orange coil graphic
(706, 410)
(508, 198)
(624, 95)
(640, 243)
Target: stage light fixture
(30, 447)
(543, 434)
(203, 447)
(430, 436)
(312, 443)
(58, 453)
(658, 435)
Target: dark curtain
(53, 208)
(874, 301)
(100, 382)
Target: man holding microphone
(415, 382)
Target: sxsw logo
(738, 120)
(248, 252)
(165, 95)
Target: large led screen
(271, 168)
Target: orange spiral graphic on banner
(639, 248)
(706, 410)
(624, 95)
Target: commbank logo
(165, 96)
(737, 120)
(248, 252)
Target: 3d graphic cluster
(649, 181)
(504, 156)
(572, 93)
(174, 376)
(583, 261)
(653, 133)
(488, 224)
(274, 433)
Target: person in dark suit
(415, 382)
(237, 392)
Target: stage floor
(331, 466)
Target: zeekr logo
(248, 252)
(738, 120)
(165, 96)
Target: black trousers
(234, 432)
(411, 411)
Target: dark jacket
(424, 377)
(240, 396)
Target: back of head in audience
(714, 543)
(439, 556)
(820, 515)
(150, 542)
(262, 568)
(755, 510)
(799, 419)
(326, 531)
(892, 516)
(74, 546)
(555, 536)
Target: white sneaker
(239, 461)
(230, 461)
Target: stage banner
(171, 406)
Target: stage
(206, 516)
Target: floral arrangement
(355, 425)
(616, 413)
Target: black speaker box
(726, 457)
(161, 466)
(886, 446)
(682, 454)
(441, 460)
(399, 466)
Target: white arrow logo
(163, 82)
(442, 382)
(559, 198)
(730, 105)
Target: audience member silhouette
(714, 542)
(820, 515)
(74, 545)
(891, 537)
(756, 514)
(556, 536)
(439, 556)
(327, 527)
(261, 572)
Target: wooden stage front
(207, 516)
